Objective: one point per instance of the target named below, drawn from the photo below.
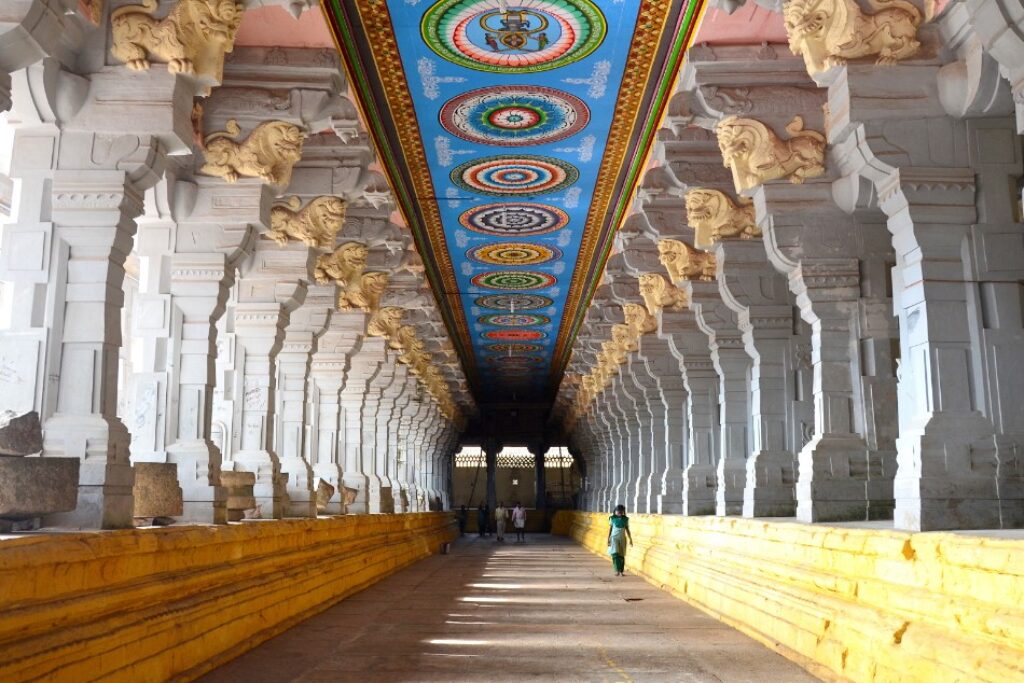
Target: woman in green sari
(618, 532)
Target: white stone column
(669, 426)
(270, 287)
(328, 370)
(363, 367)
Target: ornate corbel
(714, 216)
(366, 295)
(344, 265)
(683, 262)
(827, 33)
(639, 320)
(192, 39)
(658, 293)
(755, 154)
(386, 323)
(269, 152)
(315, 225)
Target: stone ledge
(847, 604)
(173, 603)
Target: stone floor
(547, 610)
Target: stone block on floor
(32, 487)
(156, 490)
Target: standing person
(481, 518)
(463, 517)
(618, 532)
(500, 515)
(519, 522)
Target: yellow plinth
(847, 604)
(170, 604)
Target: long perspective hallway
(547, 611)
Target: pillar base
(841, 480)
(105, 480)
(769, 486)
(360, 484)
(270, 490)
(203, 501)
(301, 488)
(950, 477)
(331, 473)
(732, 475)
(643, 495)
(699, 484)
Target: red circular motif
(513, 335)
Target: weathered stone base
(842, 481)
(173, 603)
(32, 487)
(699, 482)
(732, 476)
(156, 491)
(846, 604)
(769, 486)
(239, 487)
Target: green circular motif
(543, 35)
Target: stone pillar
(733, 367)
(669, 425)
(540, 477)
(269, 289)
(305, 326)
(374, 435)
(689, 345)
(759, 297)
(93, 216)
(363, 367)
(190, 251)
(491, 450)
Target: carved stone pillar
(269, 289)
(959, 463)
(669, 425)
(689, 346)
(491, 450)
(363, 367)
(305, 326)
(376, 412)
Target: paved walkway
(547, 610)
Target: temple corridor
(547, 610)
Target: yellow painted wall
(170, 604)
(847, 604)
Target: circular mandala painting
(515, 348)
(491, 35)
(521, 302)
(514, 319)
(513, 335)
(514, 219)
(512, 279)
(510, 176)
(513, 254)
(514, 115)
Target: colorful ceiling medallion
(515, 348)
(513, 335)
(514, 319)
(514, 115)
(512, 279)
(525, 175)
(537, 35)
(514, 219)
(513, 254)
(516, 360)
(518, 302)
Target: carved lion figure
(755, 154)
(683, 262)
(385, 323)
(639, 320)
(366, 295)
(316, 225)
(344, 265)
(192, 38)
(625, 337)
(826, 33)
(269, 153)
(658, 294)
(714, 216)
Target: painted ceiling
(513, 134)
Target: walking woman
(618, 532)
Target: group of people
(618, 529)
(501, 517)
